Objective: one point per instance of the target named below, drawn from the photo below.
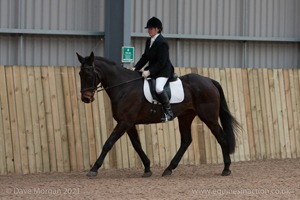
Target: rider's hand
(146, 73)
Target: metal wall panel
(8, 47)
(273, 18)
(45, 51)
(59, 51)
(253, 19)
(267, 18)
(212, 17)
(8, 16)
(52, 14)
(204, 18)
(273, 55)
(48, 15)
(144, 9)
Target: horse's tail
(229, 123)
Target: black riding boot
(164, 100)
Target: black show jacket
(158, 58)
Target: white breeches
(160, 83)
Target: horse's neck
(112, 74)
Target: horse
(203, 97)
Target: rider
(159, 66)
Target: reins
(107, 88)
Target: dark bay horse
(204, 98)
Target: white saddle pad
(177, 94)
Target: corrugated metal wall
(201, 33)
(46, 16)
(196, 17)
(225, 33)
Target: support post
(117, 28)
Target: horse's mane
(105, 60)
(102, 59)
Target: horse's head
(88, 77)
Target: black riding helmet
(154, 23)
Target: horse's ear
(91, 58)
(80, 58)
(92, 55)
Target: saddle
(173, 87)
(152, 83)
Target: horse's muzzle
(87, 97)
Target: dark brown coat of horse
(204, 98)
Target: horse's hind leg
(185, 122)
(217, 131)
(135, 140)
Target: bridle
(94, 87)
(100, 87)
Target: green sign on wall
(127, 54)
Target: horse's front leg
(136, 143)
(118, 131)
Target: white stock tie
(151, 42)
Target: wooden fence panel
(49, 136)
(272, 90)
(45, 127)
(20, 118)
(5, 134)
(41, 122)
(83, 125)
(296, 106)
(268, 124)
(54, 102)
(248, 129)
(290, 123)
(72, 72)
(28, 128)
(3, 168)
(70, 137)
(243, 119)
(13, 121)
(34, 123)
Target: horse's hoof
(147, 174)
(91, 174)
(226, 173)
(167, 172)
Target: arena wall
(45, 127)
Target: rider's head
(154, 23)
